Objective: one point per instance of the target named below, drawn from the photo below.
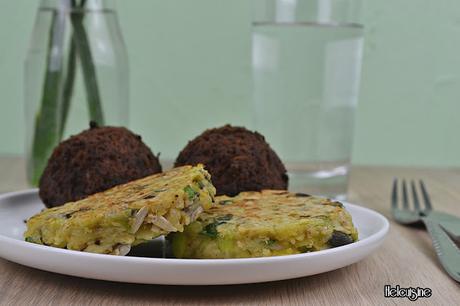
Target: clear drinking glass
(76, 71)
(306, 63)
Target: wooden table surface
(406, 259)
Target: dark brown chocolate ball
(93, 161)
(237, 159)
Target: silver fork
(447, 251)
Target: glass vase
(76, 71)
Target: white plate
(18, 206)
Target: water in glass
(305, 89)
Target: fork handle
(447, 251)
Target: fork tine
(404, 193)
(426, 197)
(394, 194)
(415, 196)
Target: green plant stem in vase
(89, 70)
(51, 118)
(47, 122)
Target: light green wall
(410, 98)
(190, 69)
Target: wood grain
(406, 259)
